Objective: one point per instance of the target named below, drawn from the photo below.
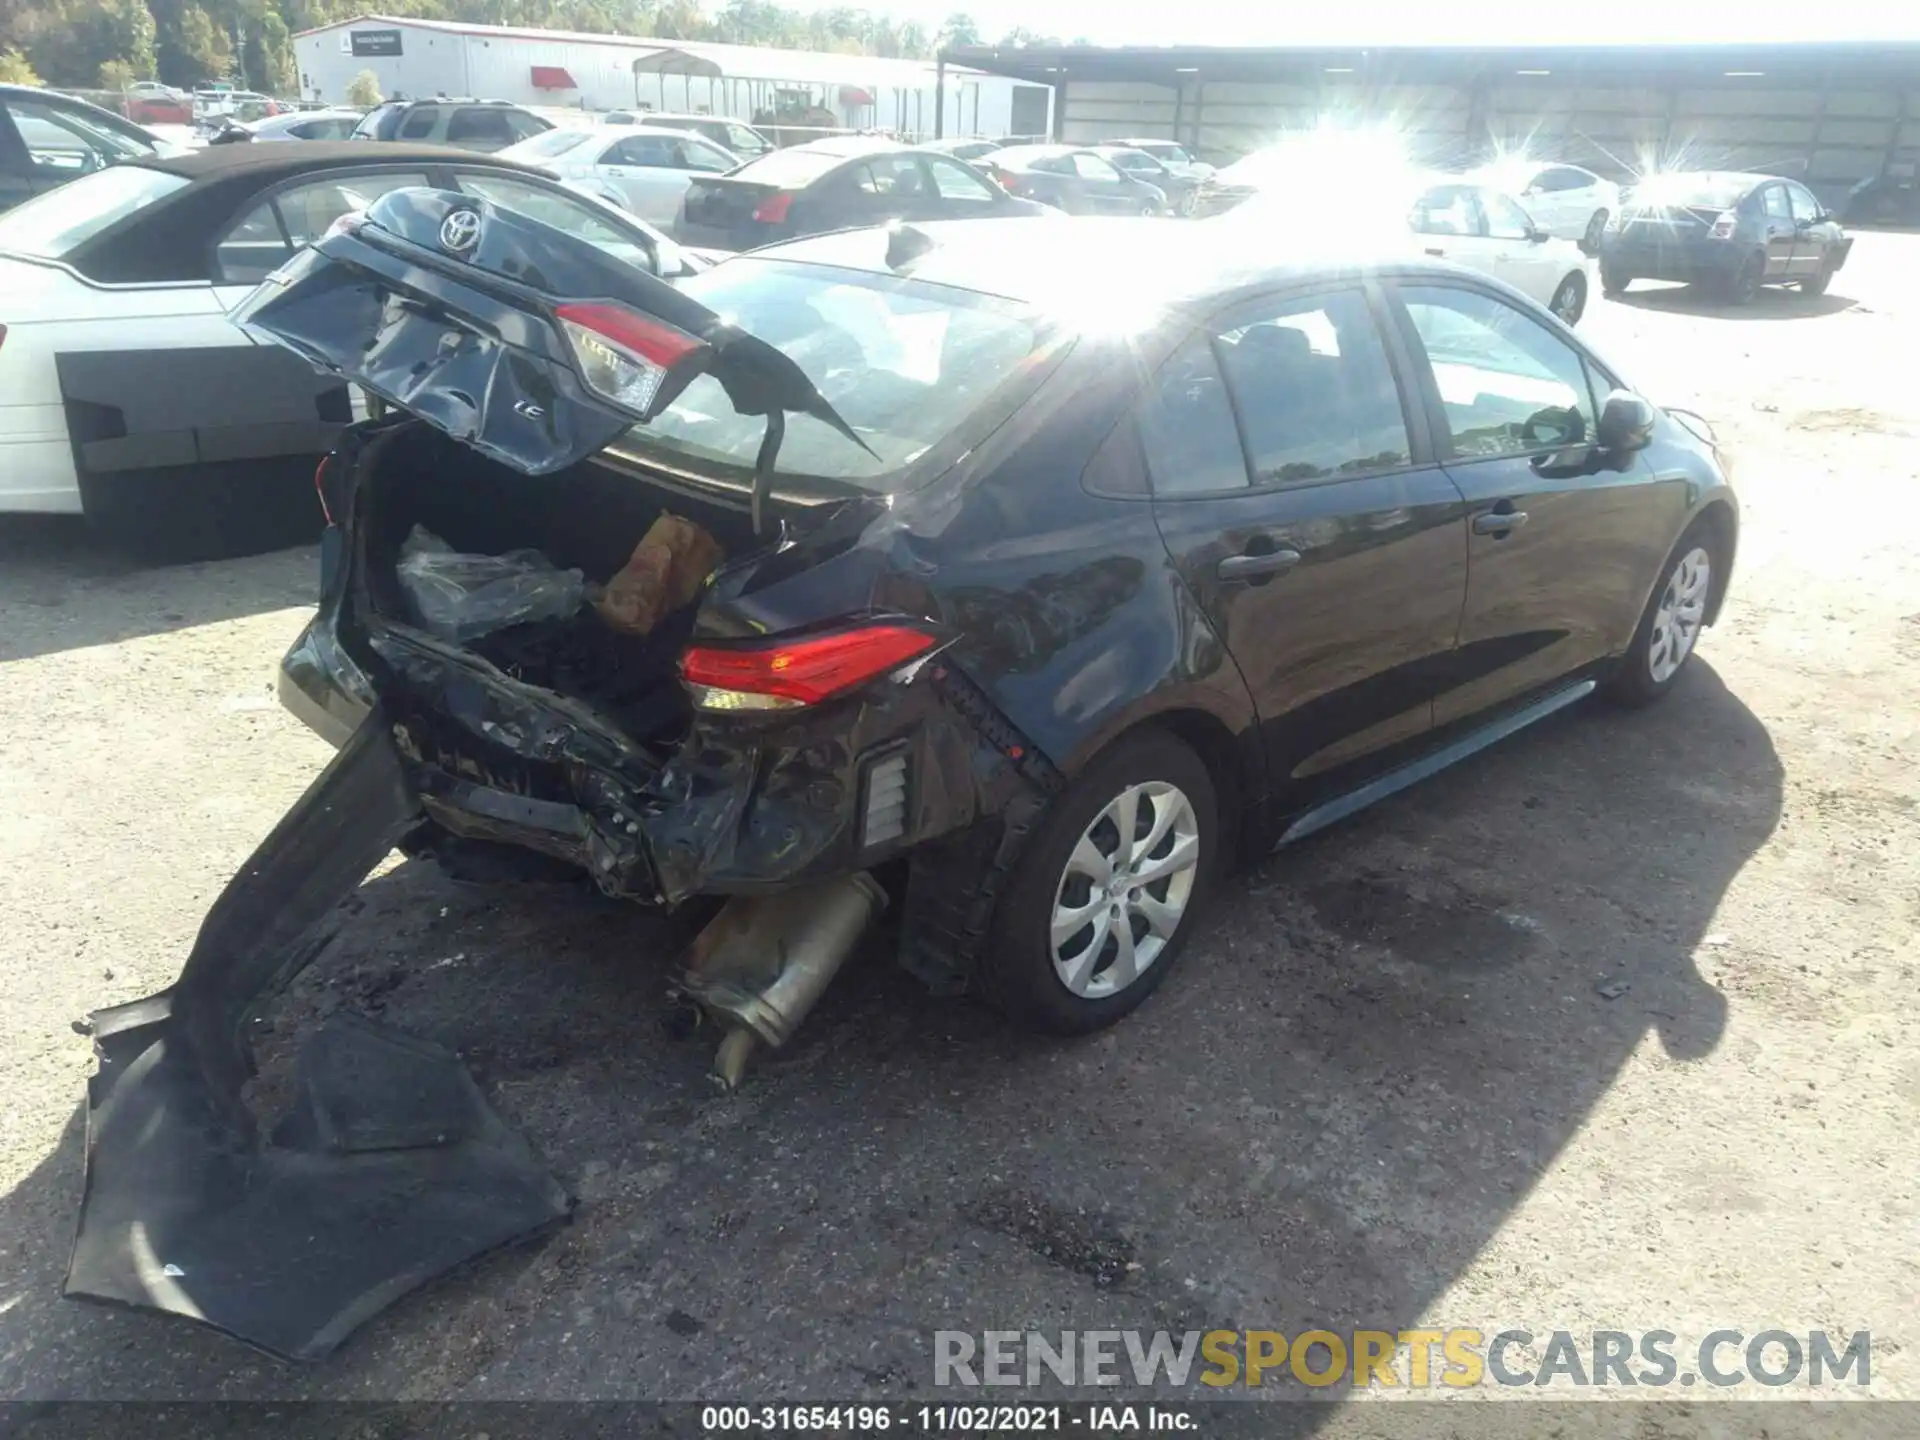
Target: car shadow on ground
(1376, 1047)
(63, 588)
(1772, 303)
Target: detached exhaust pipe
(764, 960)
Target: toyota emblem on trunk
(460, 231)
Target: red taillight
(798, 672)
(622, 355)
(655, 342)
(773, 209)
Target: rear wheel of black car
(1107, 890)
(1613, 281)
(1744, 287)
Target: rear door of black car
(1562, 544)
(1295, 489)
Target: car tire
(1187, 202)
(1075, 985)
(1147, 207)
(1743, 287)
(1596, 227)
(1816, 284)
(1613, 282)
(1569, 301)
(1675, 615)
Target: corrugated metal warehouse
(422, 58)
(1828, 114)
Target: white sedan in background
(648, 169)
(1566, 201)
(1450, 218)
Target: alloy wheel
(1676, 623)
(1125, 889)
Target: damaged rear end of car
(614, 584)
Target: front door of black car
(1312, 526)
(1776, 223)
(1812, 234)
(1562, 543)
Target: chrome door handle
(1496, 522)
(1245, 567)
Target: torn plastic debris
(388, 1169)
(461, 597)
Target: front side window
(1507, 384)
(1314, 391)
(1447, 210)
(62, 143)
(647, 152)
(1505, 220)
(1801, 200)
(266, 235)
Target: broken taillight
(773, 209)
(623, 355)
(786, 674)
(1723, 227)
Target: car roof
(844, 145)
(1031, 259)
(219, 160)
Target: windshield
(54, 224)
(547, 144)
(1709, 192)
(905, 363)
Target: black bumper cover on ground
(388, 1169)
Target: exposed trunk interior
(588, 517)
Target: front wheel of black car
(1107, 890)
(1670, 629)
(1816, 283)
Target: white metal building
(423, 58)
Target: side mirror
(1626, 423)
(1537, 235)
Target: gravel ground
(1388, 1088)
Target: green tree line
(111, 43)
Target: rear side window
(477, 124)
(1187, 428)
(907, 364)
(1447, 210)
(1315, 392)
(419, 123)
(1775, 199)
(648, 152)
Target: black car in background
(1179, 190)
(833, 184)
(1073, 178)
(1726, 230)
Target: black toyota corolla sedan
(925, 569)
